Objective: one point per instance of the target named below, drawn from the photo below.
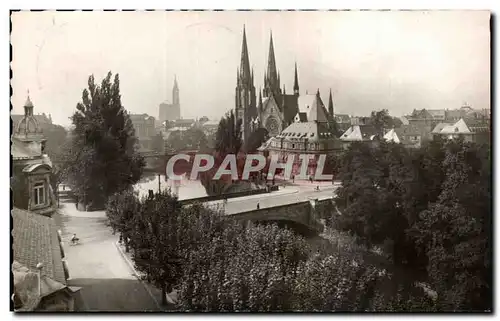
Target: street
(287, 195)
(96, 265)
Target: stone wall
(304, 213)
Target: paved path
(96, 265)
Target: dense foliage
(102, 156)
(431, 207)
(218, 264)
(191, 139)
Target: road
(296, 194)
(96, 265)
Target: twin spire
(271, 75)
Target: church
(297, 124)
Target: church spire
(330, 104)
(245, 61)
(176, 87)
(296, 82)
(271, 64)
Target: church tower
(245, 98)
(272, 79)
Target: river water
(184, 189)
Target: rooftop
(35, 240)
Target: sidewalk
(152, 290)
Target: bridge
(294, 206)
(156, 162)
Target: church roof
(313, 107)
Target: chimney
(39, 267)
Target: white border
(185, 4)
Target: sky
(398, 60)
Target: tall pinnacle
(176, 87)
(271, 64)
(296, 82)
(330, 104)
(245, 61)
(260, 99)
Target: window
(293, 146)
(39, 193)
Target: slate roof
(313, 131)
(35, 240)
(20, 151)
(313, 106)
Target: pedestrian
(258, 205)
(293, 178)
(273, 181)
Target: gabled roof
(437, 113)
(408, 130)
(439, 127)
(35, 240)
(359, 133)
(392, 136)
(314, 108)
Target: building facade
(144, 127)
(31, 166)
(171, 111)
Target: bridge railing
(229, 195)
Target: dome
(27, 125)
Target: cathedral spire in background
(271, 64)
(245, 61)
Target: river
(184, 189)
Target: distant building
(144, 126)
(343, 122)
(31, 166)
(360, 132)
(171, 111)
(410, 136)
(210, 127)
(469, 130)
(36, 241)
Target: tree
(56, 138)
(103, 144)
(256, 139)
(229, 136)
(381, 120)
(455, 230)
(158, 144)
